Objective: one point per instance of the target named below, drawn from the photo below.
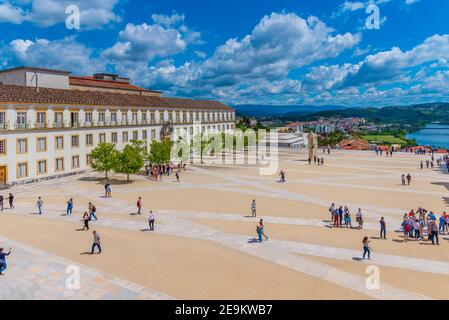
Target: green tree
(129, 161)
(104, 157)
(160, 152)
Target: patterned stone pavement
(39, 275)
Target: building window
(114, 137)
(59, 164)
(135, 135)
(125, 137)
(40, 119)
(22, 145)
(153, 134)
(144, 117)
(2, 147)
(114, 117)
(102, 137)
(59, 142)
(88, 159)
(88, 117)
(75, 141)
(58, 119)
(75, 162)
(2, 120)
(41, 144)
(22, 170)
(152, 117)
(89, 139)
(21, 120)
(101, 117)
(144, 135)
(74, 119)
(42, 167)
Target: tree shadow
(102, 181)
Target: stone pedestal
(313, 145)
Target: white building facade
(51, 132)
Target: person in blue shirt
(3, 264)
(442, 224)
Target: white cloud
(9, 13)
(65, 54)
(279, 44)
(167, 36)
(93, 13)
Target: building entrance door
(2, 177)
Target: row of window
(41, 117)
(41, 142)
(42, 167)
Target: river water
(433, 135)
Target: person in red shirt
(139, 205)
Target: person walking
(39, 204)
(383, 229)
(151, 220)
(86, 221)
(11, 201)
(366, 248)
(261, 230)
(139, 205)
(93, 213)
(96, 243)
(282, 174)
(1, 202)
(69, 207)
(177, 176)
(403, 180)
(253, 209)
(409, 179)
(3, 264)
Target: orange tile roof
(108, 84)
(21, 94)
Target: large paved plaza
(204, 244)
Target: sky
(270, 52)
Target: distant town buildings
(330, 125)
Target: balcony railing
(4, 125)
(22, 125)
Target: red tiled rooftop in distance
(89, 81)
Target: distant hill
(416, 115)
(281, 110)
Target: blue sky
(243, 51)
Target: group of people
(317, 161)
(406, 180)
(156, 172)
(89, 215)
(341, 217)
(380, 152)
(10, 200)
(420, 223)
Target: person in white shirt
(253, 209)
(151, 219)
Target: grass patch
(386, 139)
